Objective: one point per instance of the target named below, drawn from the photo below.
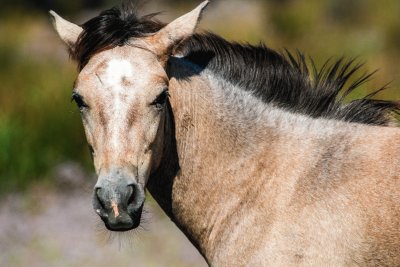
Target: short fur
(249, 183)
(283, 80)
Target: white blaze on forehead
(119, 97)
(123, 87)
(116, 70)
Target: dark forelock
(113, 27)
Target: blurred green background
(43, 222)
(40, 128)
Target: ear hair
(164, 41)
(68, 32)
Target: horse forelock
(111, 28)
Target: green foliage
(363, 29)
(39, 127)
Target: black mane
(113, 27)
(282, 79)
(285, 80)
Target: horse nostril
(98, 199)
(98, 203)
(131, 194)
(135, 198)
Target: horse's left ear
(68, 31)
(175, 32)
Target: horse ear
(68, 32)
(178, 30)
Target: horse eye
(160, 101)
(79, 101)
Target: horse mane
(287, 81)
(282, 79)
(111, 28)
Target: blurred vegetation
(40, 128)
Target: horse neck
(212, 128)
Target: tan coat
(309, 192)
(248, 183)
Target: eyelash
(161, 99)
(78, 99)
(159, 102)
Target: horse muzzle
(119, 204)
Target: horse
(254, 154)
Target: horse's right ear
(68, 32)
